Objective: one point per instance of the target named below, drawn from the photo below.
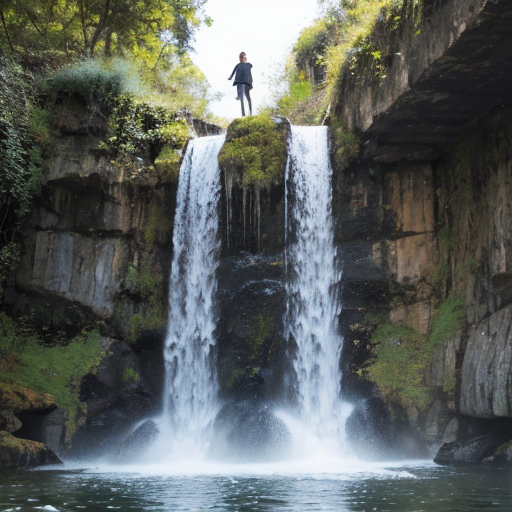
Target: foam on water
(334, 468)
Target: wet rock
(137, 443)
(247, 431)
(203, 129)
(9, 422)
(251, 351)
(116, 396)
(486, 389)
(368, 428)
(470, 451)
(373, 435)
(17, 453)
(503, 455)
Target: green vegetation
(130, 376)
(89, 27)
(344, 37)
(139, 132)
(89, 58)
(240, 375)
(263, 325)
(255, 151)
(400, 355)
(447, 322)
(167, 164)
(257, 347)
(148, 285)
(504, 447)
(400, 359)
(24, 134)
(57, 370)
(344, 144)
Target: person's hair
(242, 54)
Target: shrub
(95, 81)
(139, 132)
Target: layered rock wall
(424, 212)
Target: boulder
(249, 432)
(503, 455)
(471, 451)
(138, 442)
(21, 399)
(9, 422)
(15, 453)
(116, 396)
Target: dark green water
(417, 487)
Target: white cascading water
(190, 394)
(313, 306)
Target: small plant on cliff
(130, 376)
(448, 321)
(344, 144)
(139, 132)
(398, 366)
(255, 151)
(146, 283)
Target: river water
(414, 486)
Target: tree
(95, 27)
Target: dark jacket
(243, 74)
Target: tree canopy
(98, 27)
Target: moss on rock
(16, 452)
(19, 398)
(255, 151)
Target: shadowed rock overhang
(453, 70)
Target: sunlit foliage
(342, 36)
(93, 27)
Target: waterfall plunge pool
(323, 482)
(410, 486)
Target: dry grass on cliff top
(340, 39)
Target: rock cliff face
(422, 213)
(96, 254)
(424, 210)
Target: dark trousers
(241, 90)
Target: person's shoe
(237, 98)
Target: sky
(265, 30)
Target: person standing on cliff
(243, 81)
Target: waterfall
(190, 394)
(313, 306)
